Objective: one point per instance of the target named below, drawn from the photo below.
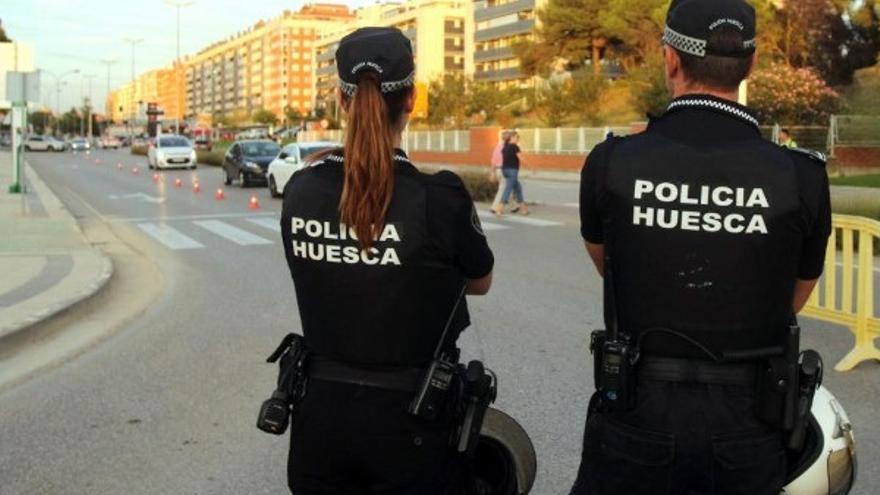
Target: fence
(849, 299)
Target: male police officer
(709, 239)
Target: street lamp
(134, 42)
(178, 4)
(108, 62)
(87, 114)
(58, 80)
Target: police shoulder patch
(816, 156)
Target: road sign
(23, 87)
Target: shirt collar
(713, 104)
(399, 157)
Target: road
(168, 404)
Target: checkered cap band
(350, 89)
(684, 43)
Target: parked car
(248, 160)
(169, 150)
(203, 143)
(109, 142)
(80, 144)
(37, 143)
(291, 159)
(56, 144)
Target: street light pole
(108, 63)
(88, 106)
(58, 80)
(178, 4)
(133, 41)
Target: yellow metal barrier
(846, 301)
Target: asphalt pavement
(168, 404)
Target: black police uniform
(377, 311)
(706, 226)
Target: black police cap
(385, 51)
(690, 24)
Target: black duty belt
(404, 380)
(696, 371)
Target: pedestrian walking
(381, 256)
(497, 175)
(710, 239)
(510, 166)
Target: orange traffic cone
(135, 171)
(178, 182)
(254, 203)
(97, 161)
(155, 177)
(118, 166)
(196, 187)
(219, 194)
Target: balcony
(499, 75)
(512, 29)
(489, 13)
(330, 54)
(494, 54)
(327, 69)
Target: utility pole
(59, 80)
(134, 42)
(178, 4)
(88, 106)
(108, 63)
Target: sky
(67, 35)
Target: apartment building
(499, 25)
(268, 66)
(164, 87)
(441, 32)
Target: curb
(57, 308)
(57, 209)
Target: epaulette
(813, 155)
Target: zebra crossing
(194, 232)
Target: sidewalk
(46, 263)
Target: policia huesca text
(709, 240)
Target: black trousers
(349, 439)
(682, 439)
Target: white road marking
(141, 196)
(487, 226)
(269, 223)
(166, 218)
(169, 236)
(571, 205)
(536, 222)
(234, 234)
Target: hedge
(213, 157)
(479, 186)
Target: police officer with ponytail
(381, 256)
(709, 239)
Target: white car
(38, 143)
(80, 144)
(291, 159)
(171, 151)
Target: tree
(635, 28)
(553, 103)
(648, 86)
(263, 116)
(448, 100)
(787, 95)
(569, 30)
(585, 94)
(293, 116)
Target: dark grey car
(247, 161)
